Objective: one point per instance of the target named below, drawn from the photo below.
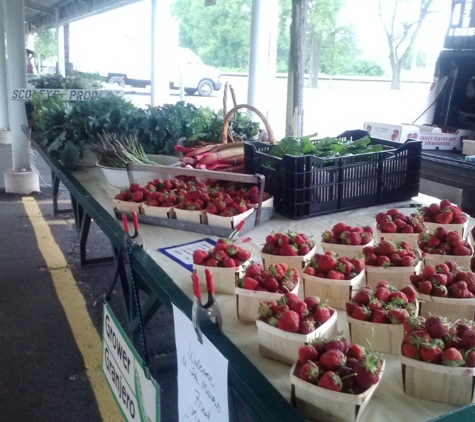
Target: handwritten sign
(183, 254)
(202, 375)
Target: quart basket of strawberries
(438, 360)
(440, 245)
(293, 248)
(395, 226)
(333, 380)
(259, 284)
(376, 316)
(288, 323)
(333, 278)
(225, 261)
(445, 214)
(446, 289)
(347, 240)
(391, 261)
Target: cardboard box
(397, 133)
(468, 147)
(432, 137)
(437, 138)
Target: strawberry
(307, 325)
(249, 283)
(436, 326)
(414, 323)
(386, 248)
(368, 369)
(338, 342)
(398, 315)
(425, 287)
(469, 357)
(253, 270)
(355, 351)
(199, 256)
(230, 263)
(335, 275)
(332, 359)
(380, 316)
(468, 339)
(444, 217)
(211, 262)
(452, 357)
(281, 310)
(322, 313)
(288, 250)
(382, 294)
(326, 262)
(289, 321)
(363, 296)
(330, 381)
(361, 313)
(306, 353)
(271, 284)
(311, 302)
(309, 372)
(389, 227)
(431, 352)
(300, 307)
(410, 351)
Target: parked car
(186, 69)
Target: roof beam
(39, 8)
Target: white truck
(186, 69)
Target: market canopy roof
(41, 14)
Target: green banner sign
(134, 390)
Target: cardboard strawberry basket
(315, 403)
(439, 383)
(306, 186)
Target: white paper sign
(202, 375)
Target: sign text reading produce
(136, 393)
(24, 94)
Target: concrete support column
(21, 179)
(4, 114)
(262, 59)
(161, 50)
(60, 43)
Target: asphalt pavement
(51, 314)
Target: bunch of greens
(326, 148)
(113, 150)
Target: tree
(220, 34)
(321, 28)
(45, 46)
(402, 21)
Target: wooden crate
(410, 238)
(163, 212)
(298, 262)
(224, 279)
(231, 222)
(128, 206)
(397, 276)
(461, 228)
(315, 403)
(284, 346)
(439, 383)
(449, 307)
(434, 259)
(192, 216)
(345, 250)
(384, 338)
(334, 292)
(247, 302)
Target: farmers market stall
(262, 383)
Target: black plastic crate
(461, 32)
(308, 186)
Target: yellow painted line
(85, 334)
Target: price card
(202, 375)
(183, 254)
